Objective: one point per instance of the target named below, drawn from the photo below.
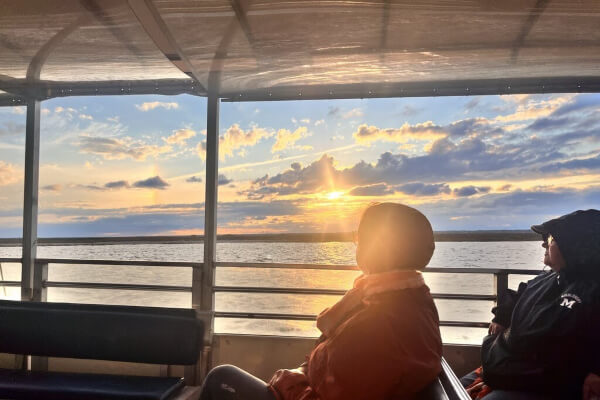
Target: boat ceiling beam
(567, 84)
(158, 31)
(43, 90)
(19, 90)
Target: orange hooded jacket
(387, 346)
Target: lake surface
(509, 255)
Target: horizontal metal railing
(501, 282)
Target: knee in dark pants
(220, 373)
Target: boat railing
(41, 284)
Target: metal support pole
(501, 285)
(203, 279)
(30, 201)
(40, 277)
(39, 293)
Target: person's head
(572, 242)
(393, 236)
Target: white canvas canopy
(282, 49)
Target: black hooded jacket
(552, 340)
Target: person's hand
(591, 387)
(473, 390)
(495, 329)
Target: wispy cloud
(8, 173)
(117, 185)
(223, 180)
(180, 136)
(52, 188)
(377, 189)
(113, 148)
(156, 182)
(285, 138)
(194, 179)
(147, 106)
(354, 113)
(366, 134)
(467, 191)
(12, 128)
(424, 189)
(235, 138)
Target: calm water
(510, 255)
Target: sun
(334, 195)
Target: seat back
(102, 332)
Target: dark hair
(393, 236)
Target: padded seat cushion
(53, 385)
(101, 332)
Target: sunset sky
(134, 165)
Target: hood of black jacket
(578, 237)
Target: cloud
(8, 173)
(156, 182)
(52, 188)
(223, 180)
(147, 106)
(319, 175)
(113, 148)
(424, 131)
(319, 122)
(85, 116)
(578, 104)
(378, 189)
(354, 113)
(532, 109)
(116, 185)
(194, 179)
(305, 121)
(410, 111)
(577, 164)
(285, 139)
(472, 104)
(466, 191)
(423, 189)
(180, 136)
(10, 128)
(235, 138)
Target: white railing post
(30, 198)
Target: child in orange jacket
(380, 341)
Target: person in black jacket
(544, 341)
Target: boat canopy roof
(291, 49)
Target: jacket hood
(578, 238)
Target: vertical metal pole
(501, 285)
(203, 279)
(39, 293)
(30, 201)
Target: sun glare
(334, 195)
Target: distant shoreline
(442, 236)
